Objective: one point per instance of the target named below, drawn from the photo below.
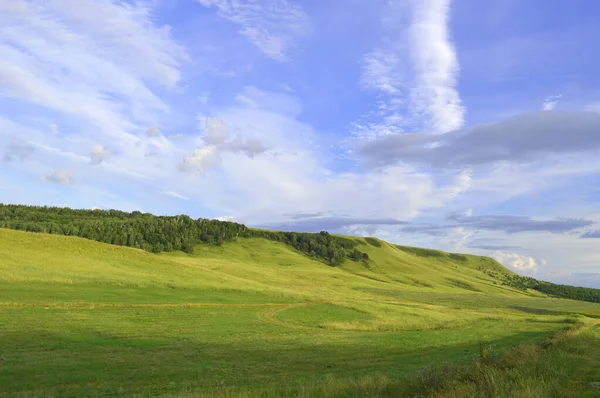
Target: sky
(463, 125)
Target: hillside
(202, 307)
(254, 313)
(158, 234)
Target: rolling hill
(249, 316)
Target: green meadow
(255, 317)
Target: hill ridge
(182, 233)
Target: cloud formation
(17, 151)
(436, 65)
(551, 102)
(98, 154)
(415, 70)
(271, 25)
(506, 223)
(316, 224)
(175, 195)
(517, 262)
(521, 138)
(217, 142)
(591, 234)
(63, 177)
(199, 160)
(153, 131)
(64, 57)
(381, 72)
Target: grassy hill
(252, 316)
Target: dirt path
(269, 315)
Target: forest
(552, 289)
(165, 233)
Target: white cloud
(246, 101)
(459, 237)
(98, 154)
(421, 95)
(260, 186)
(213, 127)
(53, 128)
(463, 182)
(551, 102)
(98, 81)
(64, 57)
(153, 131)
(436, 66)
(175, 195)
(216, 142)
(382, 71)
(271, 25)
(517, 262)
(63, 177)
(284, 104)
(201, 159)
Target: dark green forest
(554, 290)
(165, 233)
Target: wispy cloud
(64, 57)
(271, 25)
(63, 177)
(53, 128)
(420, 94)
(92, 84)
(175, 195)
(434, 93)
(551, 102)
(382, 71)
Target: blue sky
(461, 125)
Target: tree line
(165, 233)
(333, 249)
(552, 289)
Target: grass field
(254, 317)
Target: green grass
(563, 364)
(248, 318)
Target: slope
(78, 316)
